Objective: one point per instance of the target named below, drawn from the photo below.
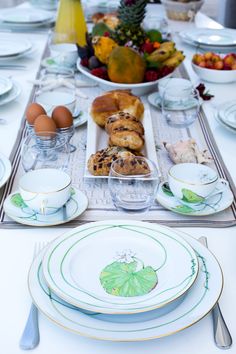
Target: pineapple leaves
(123, 279)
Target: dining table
(17, 244)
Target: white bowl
(216, 76)
(51, 99)
(137, 89)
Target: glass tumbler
(48, 150)
(180, 106)
(133, 183)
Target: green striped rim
(185, 282)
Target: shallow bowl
(137, 89)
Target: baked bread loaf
(125, 138)
(123, 120)
(112, 102)
(99, 164)
(132, 165)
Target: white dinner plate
(24, 16)
(97, 139)
(11, 95)
(119, 267)
(13, 47)
(5, 169)
(18, 211)
(5, 85)
(211, 37)
(198, 302)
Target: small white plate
(10, 48)
(210, 37)
(5, 85)
(227, 113)
(198, 302)
(213, 205)
(89, 267)
(155, 100)
(83, 118)
(5, 169)
(16, 209)
(24, 16)
(11, 95)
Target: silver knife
(222, 335)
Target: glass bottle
(70, 24)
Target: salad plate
(22, 16)
(119, 267)
(212, 205)
(5, 85)
(197, 303)
(97, 139)
(227, 113)
(5, 169)
(12, 48)
(11, 95)
(17, 210)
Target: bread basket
(183, 10)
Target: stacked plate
(9, 90)
(125, 281)
(12, 49)
(227, 115)
(211, 39)
(25, 19)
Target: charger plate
(197, 303)
(120, 267)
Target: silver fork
(222, 335)
(30, 336)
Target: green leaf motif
(185, 209)
(166, 189)
(123, 279)
(191, 197)
(17, 201)
(72, 191)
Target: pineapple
(131, 14)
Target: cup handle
(224, 184)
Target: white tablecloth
(16, 246)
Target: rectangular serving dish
(97, 139)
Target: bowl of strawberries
(213, 67)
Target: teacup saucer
(52, 66)
(155, 100)
(16, 209)
(212, 205)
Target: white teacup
(191, 182)
(178, 83)
(45, 190)
(51, 99)
(64, 54)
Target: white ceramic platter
(137, 89)
(97, 139)
(211, 206)
(11, 95)
(9, 48)
(23, 16)
(16, 209)
(5, 169)
(227, 113)
(119, 267)
(5, 85)
(198, 302)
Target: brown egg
(44, 126)
(33, 111)
(62, 117)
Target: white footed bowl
(216, 76)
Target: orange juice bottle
(70, 24)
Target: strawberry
(100, 72)
(151, 75)
(147, 47)
(84, 62)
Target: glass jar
(70, 24)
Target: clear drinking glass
(133, 183)
(49, 150)
(180, 106)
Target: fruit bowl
(213, 75)
(137, 89)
